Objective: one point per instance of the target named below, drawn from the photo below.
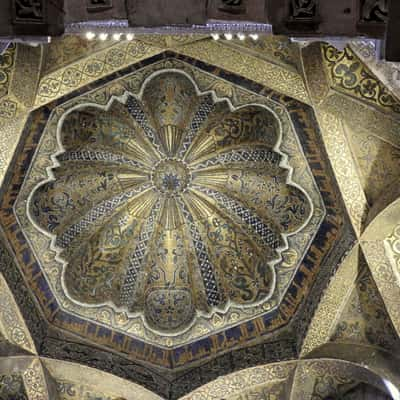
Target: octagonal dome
(170, 203)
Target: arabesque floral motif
(350, 75)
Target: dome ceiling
(174, 210)
(170, 205)
(171, 222)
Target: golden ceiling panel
(68, 49)
(238, 385)
(364, 318)
(6, 65)
(369, 52)
(284, 80)
(350, 76)
(332, 303)
(392, 244)
(77, 382)
(35, 381)
(12, 325)
(171, 41)
(378, 161)
(345, 168)
(330, 107)
(275, 49)
(12, 387)
(81, 72)
(19, 74)
(379, 244)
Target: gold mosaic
(170, 204)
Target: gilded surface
(219, 234)
(316, 78)
(83, 71)
(364, 319)
(387, 72)
(385, 278)
(372, 145)
(378, 161)
(275, 49)
(235, 385)
(35, 382)
(317, 381)
(329, 110)
(331, 303)
(184, 189)
(68, 50)
(321, 380)
(19, 72)
(366, 120)
(7, 60)
(392, 245)
(344, 166)
(8, 106)
(12, 388)
(358, 118)
(351, 76)
(170, 41)
(379, 246)
(362, 143)
(276, 77)
(12, 325)
(23, 378)
(308, 379)
(270, 391)
(76, 382)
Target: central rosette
(171, 176)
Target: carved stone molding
(373, 17)
(303, 9)
(98, 5)
(233, 6)
(374, 10)
(249, 10)
(37, 17)
(29, 11)
(303, 16)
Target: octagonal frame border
(330, 231)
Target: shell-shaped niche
(169, 204)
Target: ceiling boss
(170, 204)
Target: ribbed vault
(179, 210)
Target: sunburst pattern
(170, 204)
